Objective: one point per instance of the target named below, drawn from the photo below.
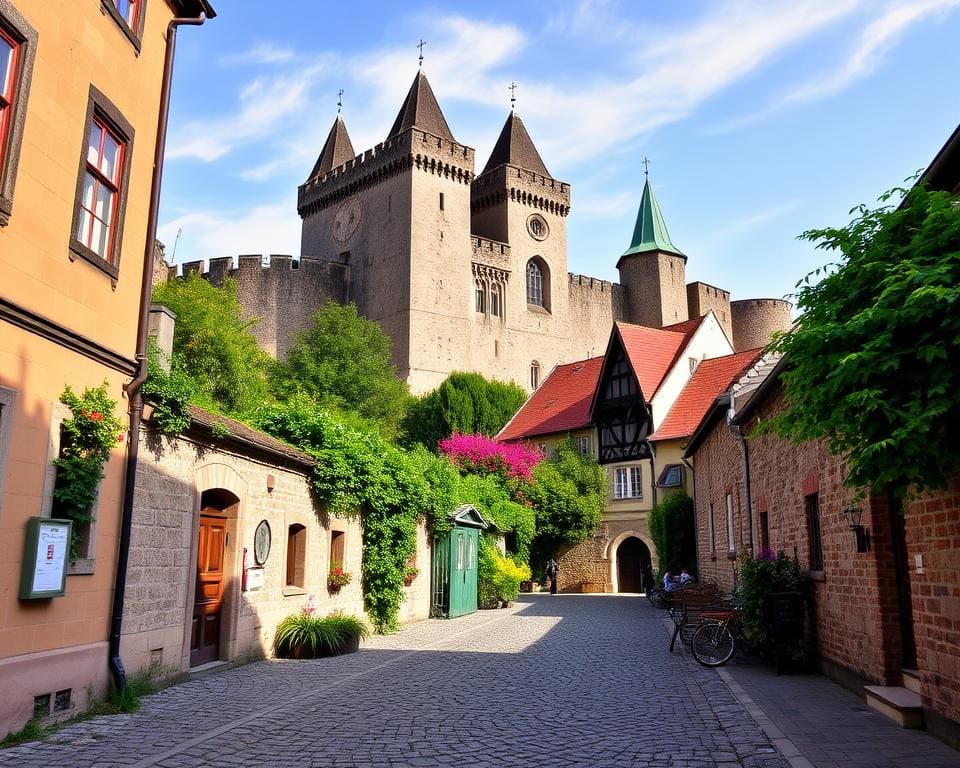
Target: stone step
(911, 679)
(896, 702)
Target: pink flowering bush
(477, 453)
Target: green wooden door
(463, 571)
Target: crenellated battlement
(590, 283)
(520, 186)
(247, 265)
(414, 148)
(489, 251)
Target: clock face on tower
(347, 219)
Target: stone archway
(635, 551)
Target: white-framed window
(534, 374)
(731, 545)
(694, 362)
(628, 483)
(480, 294)
(583, 445)
(496, 302)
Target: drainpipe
(133, 388)
(696, 527)
(737, 431)
(653, 473)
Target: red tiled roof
(652, 352)
(687, 327)
(710, 379)
(561, 404)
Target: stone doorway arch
(632, 558)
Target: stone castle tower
(468, 271)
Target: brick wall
(933, 533)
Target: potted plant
(410, 572)
(337, 577)
(305, 636)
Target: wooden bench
(687, 610)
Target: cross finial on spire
(420, 46)
(339, 100)
(513, 95)
(646, 167)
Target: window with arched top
(538, 283)
(534, 374)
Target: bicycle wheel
(712, 644)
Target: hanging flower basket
(337, 577)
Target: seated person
(685, 577)
(670, 582)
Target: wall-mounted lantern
(854, 515)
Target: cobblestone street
(563, 681)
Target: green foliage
(873, 365)
(343, 362)
(466, 403)
(760, 577)
(86, 439)
(358, 472)
(673, 532)
(170, 392)
(303, 635)
(214, 343)
(219, 430)
(32, 731)
(498, 576)
(568, 494)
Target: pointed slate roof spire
(515, 147)
(421, 109)
(337, 149)
(650, 232)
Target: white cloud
(266, 105)
(271, 228)
(874, 43)
(261, 53)
(754, 220)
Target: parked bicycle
(715, 639)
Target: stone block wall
(756, 320)
(701, 298)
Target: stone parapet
(490, 251)
(520, 186)
(411, 149)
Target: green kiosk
(455, 564)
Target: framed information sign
(46, 552)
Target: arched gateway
(632, 562)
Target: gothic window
(480, 292)
(495, 300)
(534, 374)
(538, 284)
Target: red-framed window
(100, 194)
(129, 10)
(9, 63)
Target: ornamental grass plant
(305, 636)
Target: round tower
(756, 320)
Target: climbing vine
(86, 439)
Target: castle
(468, 271)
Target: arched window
(296, 555)
(534, 284)
(480, 293)
(534, 374)
(495, 302)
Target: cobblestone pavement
(553, 681)
(828, 726)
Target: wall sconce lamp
(854, 516)
(271, 483)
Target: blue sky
(760, 119)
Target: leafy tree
(343, 361)
(466, 403)
(568, 494)
(214, 343)
(873, 365)
(673, 531)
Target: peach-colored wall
(49, 645)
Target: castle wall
(756, 320)
(701, 298)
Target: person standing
(552, 569)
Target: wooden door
(463, 571)
(208, 601)
(630, 565)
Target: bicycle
(714, 641)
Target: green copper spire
(650, 232)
